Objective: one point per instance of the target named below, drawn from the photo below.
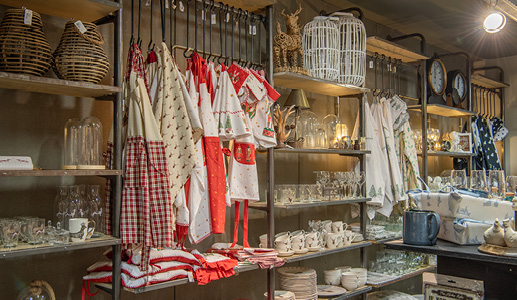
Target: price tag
(182, 7)
(395, 69)
(148, 2)
(80, 26)
(389, 67)
(371, 64)
(213, 19)
(227, 17)
(27, 18)
(254, 30)
(190, 277)
(251, 30)
(166, 3)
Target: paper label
(148, 2)
(182, 7)
(254, 30)
(227, 17)
(80, 26)
(27, 18)
(371, 64)
(190, 277)
(213, 19)
(203, 15)
(395, 69)
(166, 3)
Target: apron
(146, 203)
(212, 146)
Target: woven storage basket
(79, 56)
(23, 48)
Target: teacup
(333, 240)
(282, 247)
(327, 225)
(348, 238)
(339, 226)
(312, 239)
(298, 246)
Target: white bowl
(350, 286)
(332, 280)
(336, 272)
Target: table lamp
(299, 100)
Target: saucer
(314, 249)
(288, 253)
(303, 251)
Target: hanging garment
(499, 131)
(146, 203)
(199, 220)
(408, 158)
(170, 112)
(376, 164)
(151, 71)
(486, 157)
(212, 146)
(227, 109)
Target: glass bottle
(95, 210)
(77, 206)
(60, 204)
(71, 150)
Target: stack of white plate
(282, 295)
(301, 281)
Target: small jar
(58, 236)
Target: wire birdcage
(352, 49)
(321, 47)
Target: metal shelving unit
(375, 44)
(309, 255)
(404, 277)
(447, 154)
(102, 11)
(316, 85)
(360, 291)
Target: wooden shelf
(486, 82)
(309, 255)
(322, 151)
(444, 110)
(84, 10)
(382, 241)
(347, 295)
(375, 44)
(23, 249)
(54, 173)
(250, 6)
(54, 86)
(404, 277)
(263, 205)
(447, 154)
(316, 85)
(168, 284)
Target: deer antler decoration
(282, 129)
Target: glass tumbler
(60, 203)
(511, 185)
(478, 180)
(73, 131)
(496, 184)
(95, 209)
(10, 232)
(458, 179)
(35, 232)
(91, 144)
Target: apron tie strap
(236, 225)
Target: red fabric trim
(86, 289)
(245, 231)
(244, 153)
(237, 75)
(175, 258)
(151, 57)
(216, 182)
(236, 225)
(151, 282)
(185, 267)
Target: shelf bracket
(407, 36)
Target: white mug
(312, 239)
(349, 237)
(298, 246)
(333, 240)
(339, 226)
(327, 225)
(282, 247)
(79, 229)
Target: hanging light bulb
(494, 22)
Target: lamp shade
(298, 99)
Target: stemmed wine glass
(362, 181)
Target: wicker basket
(23, 48)
(79, 56)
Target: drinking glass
(60, 203)
(511, 184)
(77, 206)
(362, 181)
(320, 139)
(496, 184)
(458, 179)
(478, 180)
(35, 231)
(95, 210)
(10, 232)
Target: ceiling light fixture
(494, 22)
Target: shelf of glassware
(347, 295)
(447, 154)
(486, 82)
(404, 277)
(324, 252)
(322, 151)
(316, 85)
(298, 205)
(53, 86)
(444, 110)
(56, 173)
(84, 10)
(168, 284)
(375, 44)
(23, 250)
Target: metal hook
(226, 20)
(188, 25)
(149, 49)
(212, 5)
(382, 75)
(241, 15)
(246, 16)
(139, 41)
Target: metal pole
(117, 119)
(270, 158)
(423, 93)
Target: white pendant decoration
(321, 47)
(352, 49)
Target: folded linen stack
(264, 257)
(166, 264)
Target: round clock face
(437, 77)
(460, 85)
